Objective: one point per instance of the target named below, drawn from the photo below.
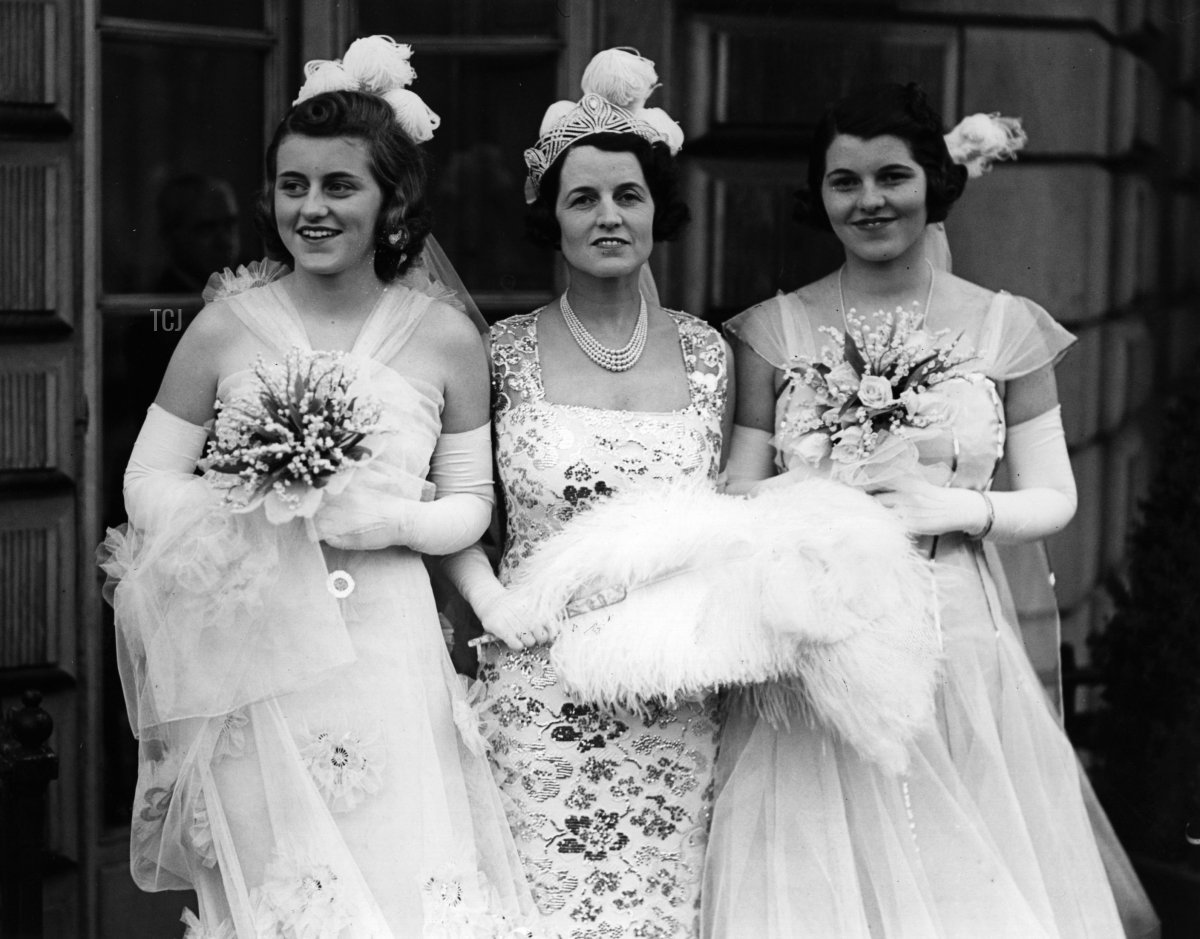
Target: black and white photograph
(599, 469)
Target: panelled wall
(41, 407)
(1098, 221)
(1101, 223)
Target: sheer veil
(433, 274)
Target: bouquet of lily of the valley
(292, 436)
(860, 407)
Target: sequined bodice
(555, 459)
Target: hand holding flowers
(373, 513)
(292, 437)
(861, 406)
(925, 509)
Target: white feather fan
(810, 586)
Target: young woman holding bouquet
(309, 765)
(993, 830)
(603, 391)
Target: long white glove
(471, 573)
(1042, 502)
(460, 469)
(751, 459)
(1045, 498)
(160, 474)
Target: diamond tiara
(592, 115)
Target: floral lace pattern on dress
(609, 809)
(554, 459)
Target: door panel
(40, 404)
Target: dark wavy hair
(662, 179)
(896, 110)
(396, 162)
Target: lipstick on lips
(609, 241)
(316, 233)
(871, 224)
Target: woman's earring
(399, 237)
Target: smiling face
(874, 193)
(605, 212)
(327, 203)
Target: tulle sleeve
(1020, 337)
(775, 329)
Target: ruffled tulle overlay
(609, 807)
(989, 832)
(309, 762)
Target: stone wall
(1098, 220)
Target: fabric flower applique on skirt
(347, 768)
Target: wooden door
(183, 96)
(43, 412)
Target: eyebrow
(887, 166)
(583, 187)
(335, 174)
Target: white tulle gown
(988, 834)
(309, 763)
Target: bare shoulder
(449, 331)
(189, 387)
(215, 326)
(211, 338)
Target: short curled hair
(893, 110)
(396, 162)
(671, 213)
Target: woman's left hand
(926, 509)
(360, 518)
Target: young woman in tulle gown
(309, 764)
(993, 831)
(603, 391)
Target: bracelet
(991, 519)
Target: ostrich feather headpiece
(377, 65)
(979, 140)
(616, 85)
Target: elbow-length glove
(368, 514)
(1042, 501)
(160, 476)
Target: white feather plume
(979, 140)
(555, 113)
(321, 75)
(662, 122)
(812, 584)
(622, 76)
(413, 114)
(379, 63)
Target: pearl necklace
(615, 360)
(928, 296)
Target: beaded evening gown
(988, 834)
(309, 763)
(609, 809)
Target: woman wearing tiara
(601, 392)
(309, 765)
(992, 832)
